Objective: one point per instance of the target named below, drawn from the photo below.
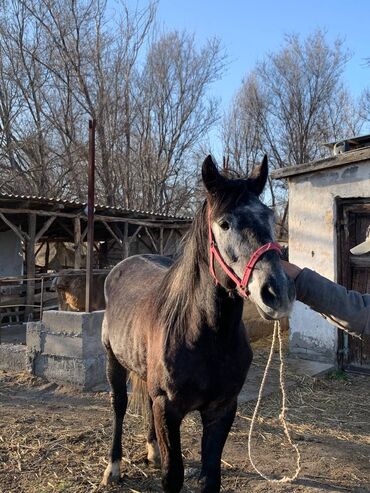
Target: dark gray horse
(180, 331)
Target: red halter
(214, 252)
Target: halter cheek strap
(214, 253)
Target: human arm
(348, 309)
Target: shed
(30, 225)
(329, 211)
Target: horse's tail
(138, 397)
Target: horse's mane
(175, 297)
(176, 301)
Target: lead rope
(284, 479)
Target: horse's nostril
(269, 294)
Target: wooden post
(77, 240)
(161, 241)
(30, 264)
(90, 213)
(126, 243)
(47, 255)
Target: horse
(70, 285)
(177, 324)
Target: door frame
(343, 205)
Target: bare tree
(62, 61)
(175, 114)
(291, 104)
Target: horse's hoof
(111, 474)
(153, 457)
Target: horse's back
(128, 290)
(135, 273)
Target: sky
(250, 29)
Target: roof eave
(349, 157)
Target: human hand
(291, 270)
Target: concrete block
(72, 323)
(63, 345)
(34, 336)
(95, 372)
(84, 374)
(13, 357)
(91, 335)
(61, 370)
(66, 349)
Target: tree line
(64, 61)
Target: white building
(329, 210)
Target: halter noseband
(241, 284)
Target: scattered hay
(53, 440)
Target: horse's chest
(212, 375)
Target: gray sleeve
(347, 308)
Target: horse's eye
(224, 225)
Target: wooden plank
(44, 228)
(21, 235)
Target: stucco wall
(313, 244)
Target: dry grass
(56, 440)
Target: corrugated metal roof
(100, 207)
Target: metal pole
(90, 213)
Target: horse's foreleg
(167, 426)
(116, 374)
(216, 427)
(151, 443)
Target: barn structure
(329, 211)
(39, 234)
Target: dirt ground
(54, 439)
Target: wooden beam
(44, 228)
(30, 264)
(7, 210)
(22, 236)
(118, 240)
(83, 236)
(132, 237)
(151, 240)
(39, 248)
(67, 229)
(168, 240)
(47, 255)
(151, 224)
(77, 243)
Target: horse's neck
(209, 307)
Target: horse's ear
(257, 179)
(212, 179)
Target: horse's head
(241, 224)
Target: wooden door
(354, 273)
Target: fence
(14, 310)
